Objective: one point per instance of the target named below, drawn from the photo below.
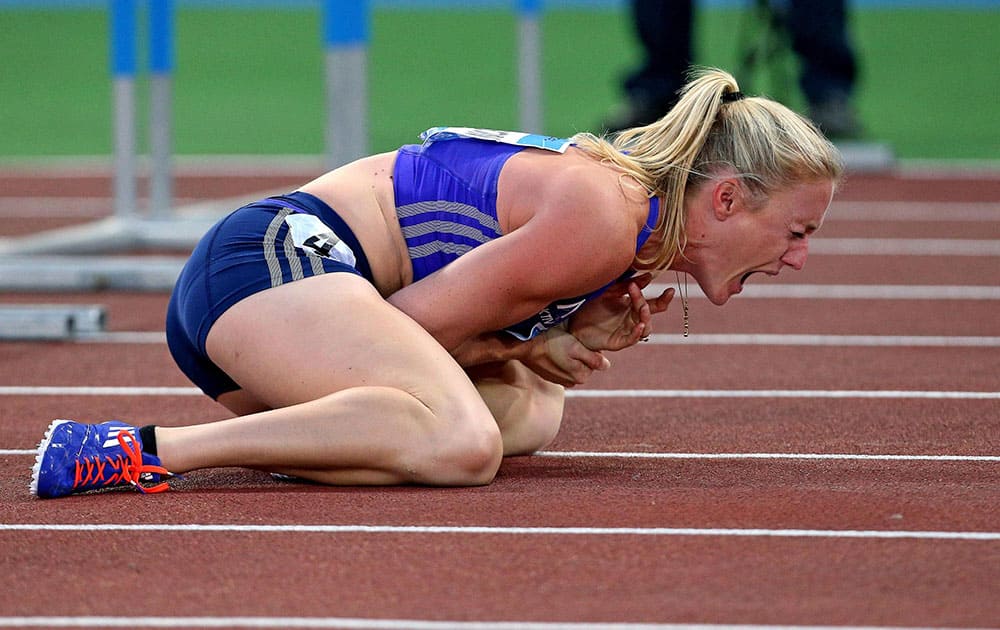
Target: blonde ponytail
(714, 128)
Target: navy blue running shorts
(260, 246)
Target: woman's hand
(620, 316)
(560, 358)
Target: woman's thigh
(306, 339)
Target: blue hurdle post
(345, 42)
(529, 67)
(161, 65)
(123, 63)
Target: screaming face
(730, 240)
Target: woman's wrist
(491, 348)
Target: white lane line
(137, 337)
(779, 393)
(52, 390)
(766, 456)
(938, 211)
(12, 452)
(748, 339)
(904, 247)
(356, 623)
(851, 291)
(842, 341)
(73, 390)
(487, 529)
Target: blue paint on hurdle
(123, 38)
(529, 7)
(161, 36)
(345, 23)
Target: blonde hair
(769, 147)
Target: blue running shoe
(75, 457)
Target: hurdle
(529, 65)
(125, 229)
(92, 256)
(345, 44)
(123, 67)
(82, 257)
(161, 65)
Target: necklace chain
(684, 302)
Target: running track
(816, 454)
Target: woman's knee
(460, 454)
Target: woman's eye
(799, 235)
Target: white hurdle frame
(81, 257)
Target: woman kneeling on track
(414, 316)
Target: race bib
(516, 138)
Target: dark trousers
(818, 31)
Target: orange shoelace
(107, 471)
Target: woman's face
(729, 239)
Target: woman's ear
(727, 198)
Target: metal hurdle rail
(81, 257)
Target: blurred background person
(818, 34)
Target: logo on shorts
(321, 244)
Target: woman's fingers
(660, 303)
(651, 307)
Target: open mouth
(746, 276)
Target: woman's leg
(358, 393)
(527, 408)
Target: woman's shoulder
(577, 185)
(585, 209)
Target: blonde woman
(414, 316)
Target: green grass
(251, 81)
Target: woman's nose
(795, 256)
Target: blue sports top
(446, 201)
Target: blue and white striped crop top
(446, 201)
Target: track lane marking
(906, 211)
(512, 530)
(904, 247)
(730, 339)
(356, 623)
(766, 456)
(83, 390)
(840, 341)
(24, 452)
(779, 393)
(852, 291)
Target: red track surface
(651, 573)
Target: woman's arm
(555, 355)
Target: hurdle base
(63, 260)
(34, 274)
(867, 157)
(114, 234)
(50, 322)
